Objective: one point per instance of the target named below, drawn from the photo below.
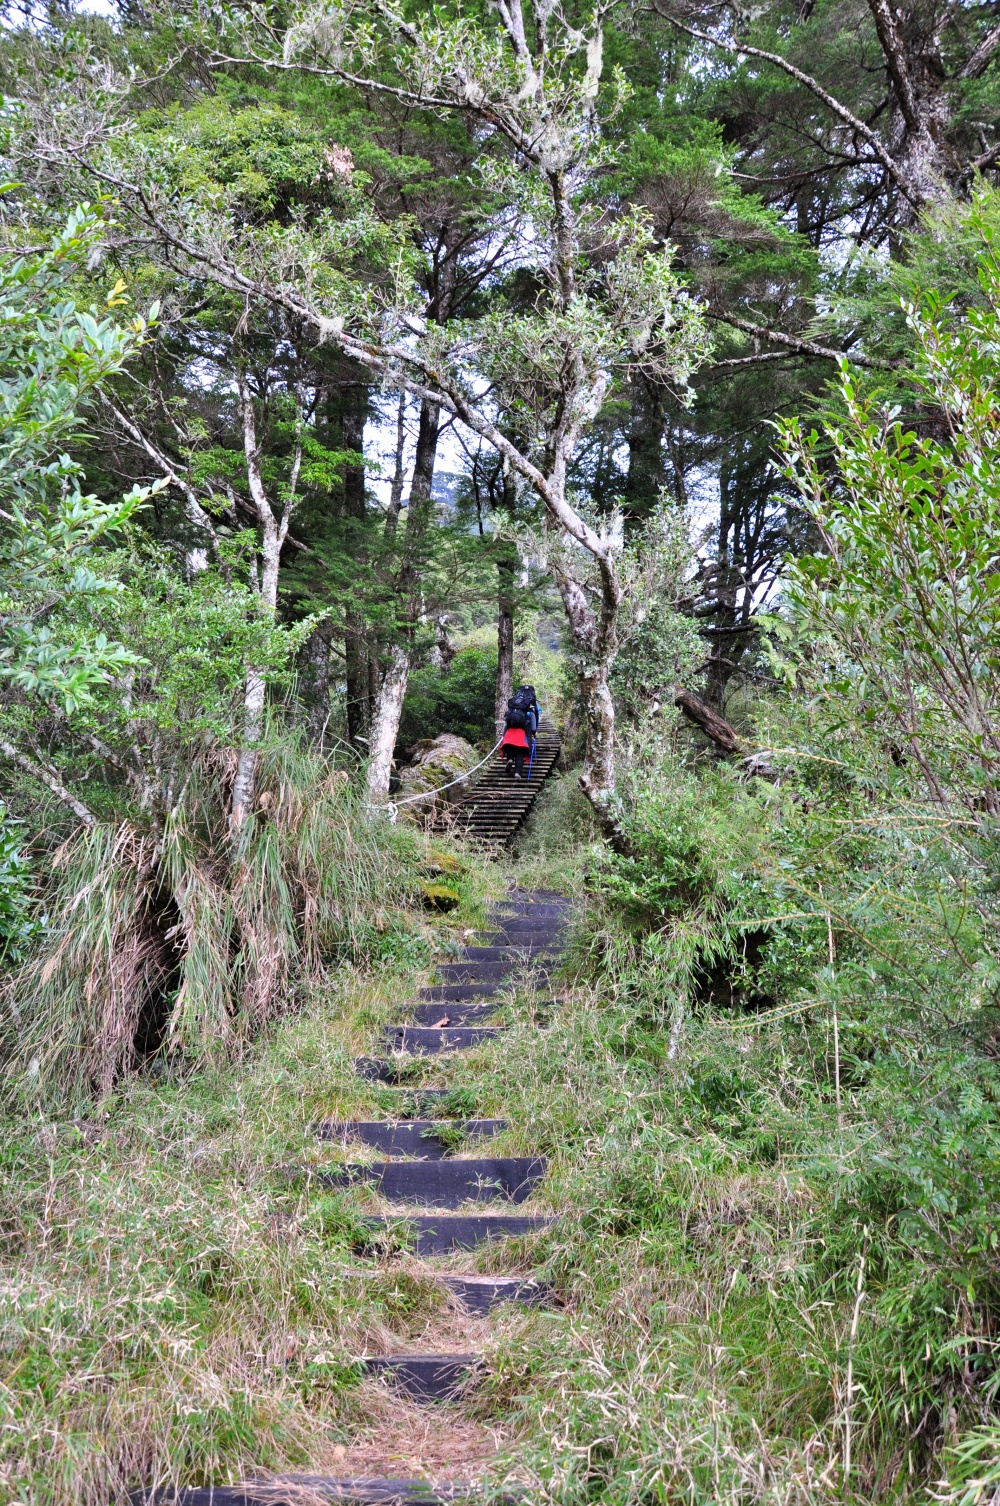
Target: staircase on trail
(497, 805)
(431, 1190)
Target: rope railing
(391, 808)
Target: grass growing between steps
(774, 1265)
(176, 1299)
(779, 1151)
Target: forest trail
(437, 1195)
(497, 806)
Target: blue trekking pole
(534, 740)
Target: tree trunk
(398, 473)
(715, 727)
(392, 690)
(505, 643)
(273, 535)
(595, 643)
(444, 649)
(385, 723)
(246, 763)
(597, 776)
(254, 694)
(647, 471)
(356, 649)
(422, 483)
(318, 685)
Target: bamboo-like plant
(901, 613)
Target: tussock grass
(175, 1307)
(188, 941)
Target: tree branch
(895, 58)
(195, 512)
(980, 56)
(386, 359)
(715, 727)
(795, 342)
(759, 360)
(49, 778)
(743, 49)
(977, 165)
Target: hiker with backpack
(521, 725)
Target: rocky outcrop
(432, 762)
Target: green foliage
(459, 699)
(682, 859)
(663, 649)
(54, 354)
(193, 640)
(900, 615)
(19, 928)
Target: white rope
(392, 808)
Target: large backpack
(523, 699)
(517, 716)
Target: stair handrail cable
(392, 806)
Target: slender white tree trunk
(385, 726)
(389, 705)
(597, 776)
(505, 646)
(594, 631)
(273, 535)
(246, 764)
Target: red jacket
(515, 737)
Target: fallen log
(710, 722)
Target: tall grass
(188, 941)
(175, 1307)
(778, 1254)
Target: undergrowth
(774, 1097)
(767, 1088)
(178, 1301)
(186, 941)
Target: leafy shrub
(18, 927)
(459, 700)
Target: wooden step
(435, 1013)
(411, 1137)
(427, 1377)
(539, 911)
(444, 1183)
(527, 925)
(426, 1040)
(377, 1069)
(454, 993)
(483, 972)
(293, 1490)
(478, 972)
(441, 1233)
(508, 951)
(480, 1294)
